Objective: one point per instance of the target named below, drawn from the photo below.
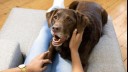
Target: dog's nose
(56, 28)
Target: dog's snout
(56, 28)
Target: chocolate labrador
(87, 16)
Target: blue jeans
(41, 45)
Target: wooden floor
(117, 9)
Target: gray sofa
(22, 27)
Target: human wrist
(16, 69)
(22, 67)
(28, 68)
(73, 51)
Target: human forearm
(28, 69)
(12, 70)
(76, 63)
(74, 46)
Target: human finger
(74, 33)
(47, 61)
(44, 54)
(80, 34)
(43, 68)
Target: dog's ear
(74, 5)
(49, 16)
(82, 21)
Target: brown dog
(87, 16)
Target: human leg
(40, 45)
(61, 65)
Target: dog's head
(62, 23)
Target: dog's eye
(69, 19)
(55, 17)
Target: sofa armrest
(10, 54)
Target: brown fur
(88, 15)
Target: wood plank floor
(117, 9)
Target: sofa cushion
(23, 26)
(10, 54)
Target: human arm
(12, 70)
(74, 45)
(36, 65)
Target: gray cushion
(23, 26)
(10, 54)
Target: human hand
(76, 40)
(37, 64)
